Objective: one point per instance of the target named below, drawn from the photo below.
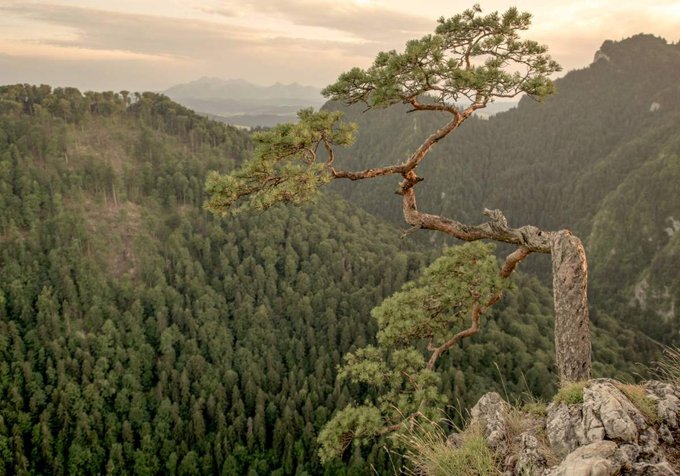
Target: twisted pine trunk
(572, 333)
(573, 353)
(570, 273)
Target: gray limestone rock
(604, 435)
(666, 434)
(564, 428)
(625, 456)
(594, 459)
(530, 460)
(667, 399)
(658, 469)
(604, 404)
(490, 413)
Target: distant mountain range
(239, 102)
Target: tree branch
(367, 173)
(396, 426)
(331, 154)
(418, 106)
(513, 259)
(530, 237)
(412, 162)
(431, 140)
(477, 311)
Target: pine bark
(573, 351)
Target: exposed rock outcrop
(615, 430)
(490, 412)
(594, 459)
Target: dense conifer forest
(141, 335)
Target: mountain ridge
(240, 102)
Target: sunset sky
(153, 44)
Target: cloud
(39, 50)
(107, 50)
(147, 34)
(93, 73)
(367, 22)
(187, 39)
(309, 41)
(576, 34)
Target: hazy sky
(153, 44)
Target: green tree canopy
(427, 316)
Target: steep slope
(634, 241)
(139, 334)
(562, 164)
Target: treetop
(471, 58)
(468, 61)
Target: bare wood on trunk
(572, 334)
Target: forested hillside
(139, 334)
(601, 157)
